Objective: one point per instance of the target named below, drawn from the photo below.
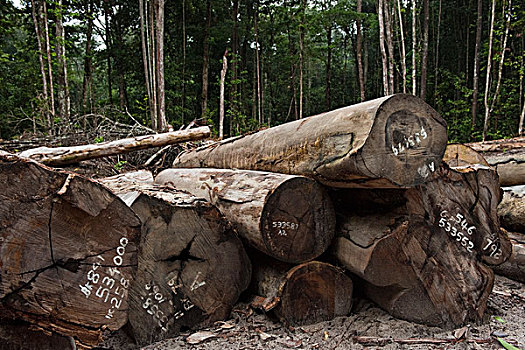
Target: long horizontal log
(289, 217)
(392, 141)
(304, 294)
(498, 145)
(421, 252)
(191, 266)
(514, 267)
(59, 156)
(67, 251)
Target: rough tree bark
(59, 156)
(397, 139)
(422, 251)
(68, 251)
(192, 266)
(304, 294)
(287, 217)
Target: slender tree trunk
(359, 52)
(234, 98)
(152, 63)
(476, 65)
(108, 51)
(414, 77)
(221, 101)
(162, 123)
(42, 66)
(436, 62)
(205, 61)
(424, 58)
(183, 97)
(145, 59)
(403, 49)
(62, 80)
(389, 45)
(328, 88)
(259, 107)
(381, 19)
(88, 77)
(301, 56)
(522, 116)
(489, 67)
(43, 15)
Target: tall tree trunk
(221, 102)
(43, 10)
(436, 62)
(328, 87)
(88, 76)
(146, 61)
(476, 65)
(403, 49)
(503, 49)
(489, 67)
(301, 56)
(162, 123)
(108, 50)
(42, 66)
(234, 98)
(123, 96)
(424, 58)
(62, 80)
(257, 48)
(206, 60)
(381, 19)
(522, 116)
(390, 46)
(183, 97)
(414, 77)
(152, 63)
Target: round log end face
(298, 221)
(461, 155)
(406, 143)
(314, 292)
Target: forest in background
(66, 66)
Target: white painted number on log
(108, 285)
(283, 226)
(426, 169)
(152, 301)
(456, 226)
(409, 142)
(492, 246)
(196, 284)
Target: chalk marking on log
(462, 238)
(409, 142)
(196, 285)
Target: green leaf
(499, 319)
(507, 345)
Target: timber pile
(365, 184)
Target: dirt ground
(367, 327)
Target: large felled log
(507, 156)
(191, 266)
(511, 210)
(461, 155)
(67, 251)
(421, 251)
(304, 294)
(514, 267)
(390, 141)
(290, 218)
(59, 156)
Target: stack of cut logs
(298, 214)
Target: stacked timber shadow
(298, 215)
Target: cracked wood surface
(60, 156)
(191, 266)
(60, 235)
(392, 141)
(404, 245)
(288, 217)
(303, 294)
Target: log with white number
(392, 141)
(68, 251)
(288, 217)
(191, 265)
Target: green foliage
(120, 164)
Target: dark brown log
(288, 217)
(68, 251)
(304, 294)
(514, 267)
(191, 266)
(507, 156)
(392, 141)
(59, 156)
(421, 251)
(511, 210)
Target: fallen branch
(68, 155)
